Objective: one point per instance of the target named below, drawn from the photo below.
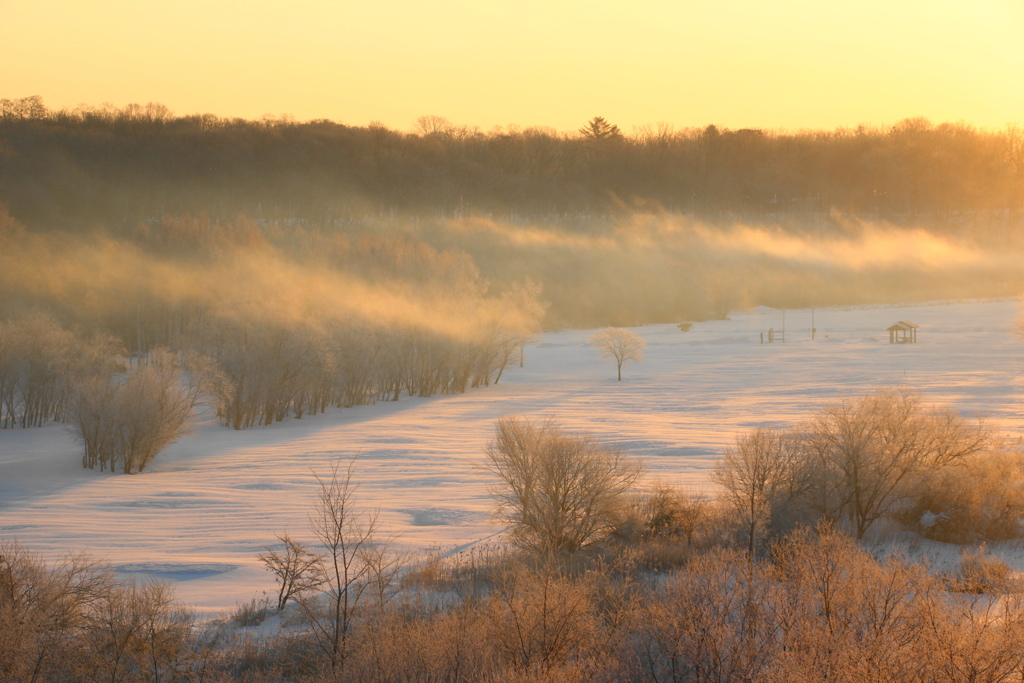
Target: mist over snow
(212, 501)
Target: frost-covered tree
(41, 363)
(520, 314)
(619, 344)
(558, 492)
(125, 420)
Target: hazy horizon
(794, 65)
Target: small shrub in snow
(663, 528)
(979, 572)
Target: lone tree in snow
(620, 345)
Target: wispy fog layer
(660, 268)
(453, 277)
(313, 281)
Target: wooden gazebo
(903, 333)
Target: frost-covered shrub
(558, 492)
(252, 612)
(74, 620)
(981, 499)
(979, 572)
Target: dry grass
(251, 613)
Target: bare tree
(295, 567)
(352, 553)
(763, 467)
(505, 343)
(559, 492)
(524, 305)
(517, 321)
(432, 124)
(620, 345)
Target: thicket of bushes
(41, 364)
(855, 461)
(74, 620)
(124, 421)
(253, 372)
(817, 607)
(980, 499)
(123, 411)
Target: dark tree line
(119, 166)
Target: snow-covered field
(204, 509)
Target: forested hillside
(115, 167)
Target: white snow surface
(200, 513)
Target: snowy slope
(210, 503)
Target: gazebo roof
(903, 325)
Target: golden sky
(782, 64)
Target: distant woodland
(296, 266)
(114, 167)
